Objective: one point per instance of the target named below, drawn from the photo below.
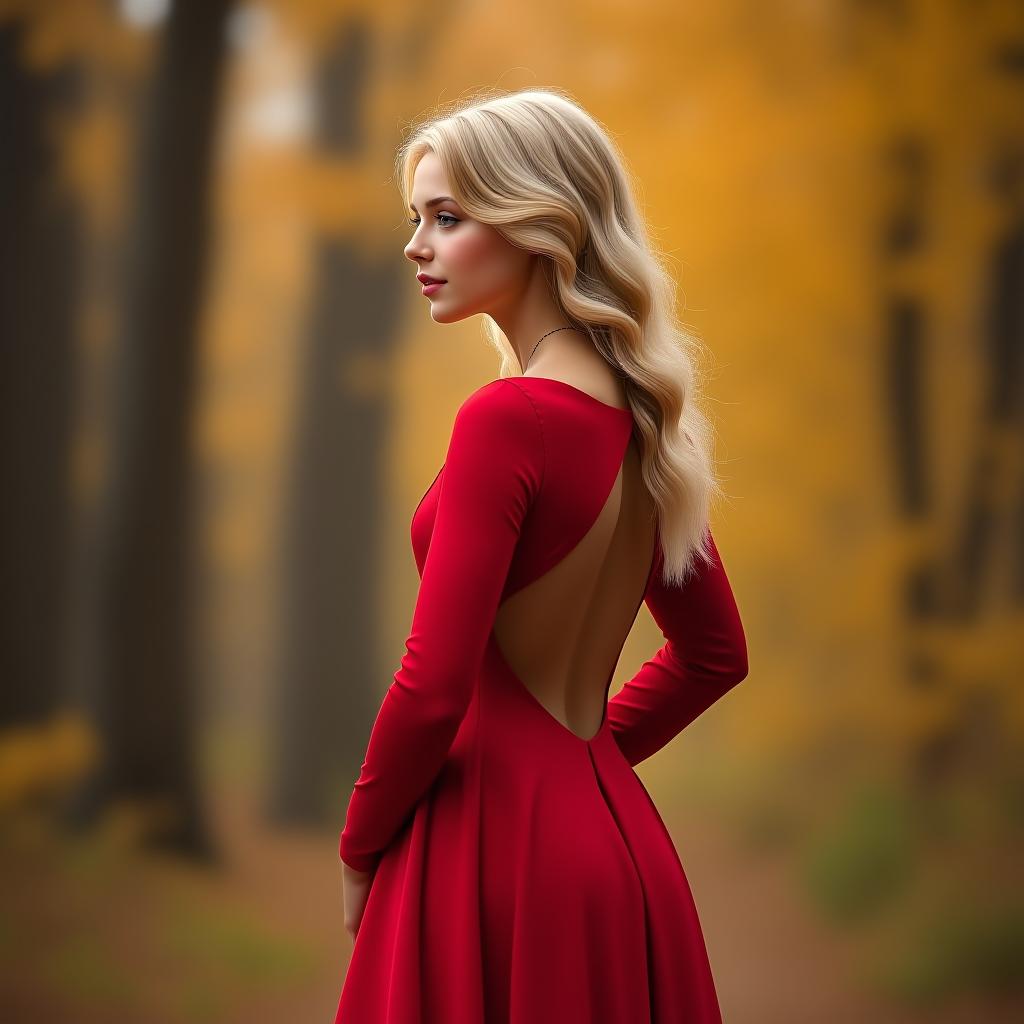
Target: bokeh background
(222, 396)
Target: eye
(454, 220)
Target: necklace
(528, 361)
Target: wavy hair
(542, 171)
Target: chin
(440, 315)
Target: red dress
(522, 874)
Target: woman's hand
(355, 886)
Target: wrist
(349, 870)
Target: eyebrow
(433, 202)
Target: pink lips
(431, 286)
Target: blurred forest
(222, 396)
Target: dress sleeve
(704, 656)
(492, 473)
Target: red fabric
(522, 873)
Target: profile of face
(482, 271)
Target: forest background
(222, 396)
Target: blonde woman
(502, 861)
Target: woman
(502, 861)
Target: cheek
(483, 263)
(471, 253)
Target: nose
(415, 251)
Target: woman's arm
(703, 657)
(492, 474)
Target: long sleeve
(491, 476)
(703, 657)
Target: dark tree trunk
(146, 663)
(37, 248)
(327, 691)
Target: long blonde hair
(541, 170)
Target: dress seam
(540, 427)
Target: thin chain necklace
(528, 361)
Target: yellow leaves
(42, 760)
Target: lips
(427, 279)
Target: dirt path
(774, 962)
(96, 935)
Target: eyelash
(448, 215)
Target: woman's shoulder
(497, 441)
(499, 398)
(498, 411)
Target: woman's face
(483, 272)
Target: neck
(528, 316)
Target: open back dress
(521, 871)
